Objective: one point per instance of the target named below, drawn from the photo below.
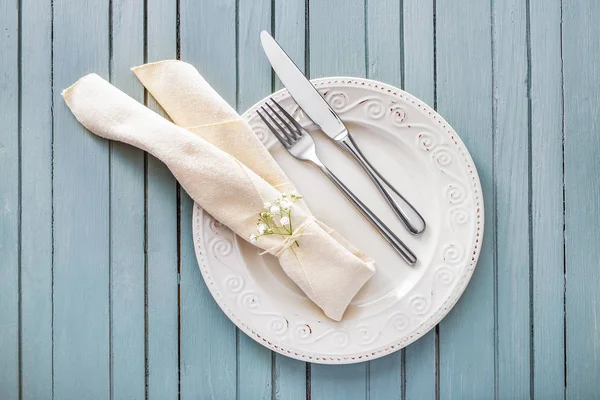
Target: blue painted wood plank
(386, 377)
(208, 338)
(36, 200)
(9, 199)
(254, 83)
(290, 22)
(383, 22)
(418, 32)
(581, 46)
(337, 48)
(289, 378)
(337, 39)
(547, 200)
(81, 211)
(384, 44)
(161, 230)
(127, 216)
(418, 61)
(339, 381)
(511, 140)
(464, 98)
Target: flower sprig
(276, 219)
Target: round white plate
(424, 158)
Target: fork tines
(288, 130)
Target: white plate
(421, 155)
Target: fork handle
(398, 245)
(409, 216)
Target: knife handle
(409, 216)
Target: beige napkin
(193, 104)
(328, 270)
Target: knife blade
(317, 109)
(301, 90)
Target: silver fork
(301, 145)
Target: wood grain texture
(464, 98)
(547, 200)
(208, 338)
(91, 247)
(9, 199)
(162, 333)
(36, 199)
(337, 39)
(511, 171)
(383, 22)
(81, 211)
(289, 375)
(337, 48)
(418, 64)
(254, 83)
(581, 46)
(127, 216)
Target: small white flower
(286, 205)
(284, 220)
(275, 210)
(252, 239)
(267, 205)
(262, 228)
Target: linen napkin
(328, 272)
(193, 104)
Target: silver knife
(317, 109)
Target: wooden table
(100, 293)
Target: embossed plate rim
(404, 340)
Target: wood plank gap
(274, 385)
(52, 183)
(530, 200)
(402, 374)
(308, 381)
(564, 196)
(368, 380)
(110, 273)
(366, 22)
(110, 225)
(307, 74)
(436, 333)
(307, 41)
(178, 35)
(178, 189)
(402, 66)
(19, 193)
(146, 315)
(110, 46)
(237, 363)
(494, 192)
(435, 96)
(436, 350)
(272, 34)
(237, 54)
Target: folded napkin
(193, 104)
(324, 266)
